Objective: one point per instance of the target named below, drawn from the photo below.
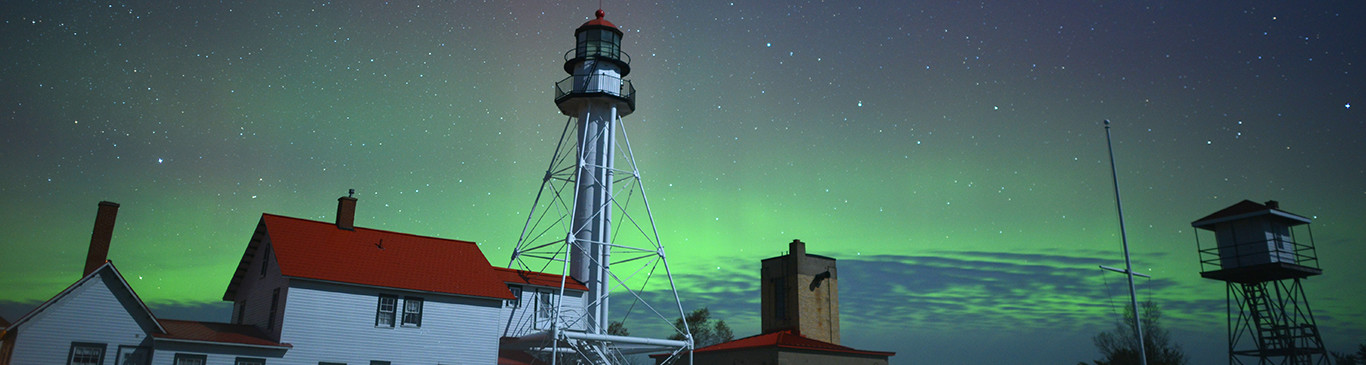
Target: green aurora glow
(950, 156)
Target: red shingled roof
(319, 250)
(787, 339)
(514, 276)
(241, 334)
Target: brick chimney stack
(100, 236)
(346, 211)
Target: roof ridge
(358, 228)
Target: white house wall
(92, 313)
(214, 354)
(336, 323)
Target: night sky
(950, 155)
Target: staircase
(1278, 333)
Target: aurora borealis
(950, 155)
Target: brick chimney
(346, 211)
(100, 236)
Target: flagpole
(1123, 237)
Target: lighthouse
(591, 184)
(596, 95)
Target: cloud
(956, 290)
(194, 311)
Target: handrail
(597, 84)
(1238, 254)
(623, 57)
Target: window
(779, 299)
(85, 353)
(377, 362)
(274, 302)
(188, 359)
(412, 311)
(544, 307)
(249, 361)
(241, 311)
(134, 355)
(265, 260)
(384, 311)
(330, 363)
(517, 295)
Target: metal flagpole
(1123, 237)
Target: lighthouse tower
(593, 95)
(1262, 259)
(575, 233)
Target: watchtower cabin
(1261, 252)
(1255, 243)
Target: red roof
(789, 340)
(538, 279)
(514, 357)
(242, 334)
(599, 21)
(319, 250)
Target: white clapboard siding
(98, 310)
(336, 323)
(214, 354)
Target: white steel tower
(575, 234)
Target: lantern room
(1256, 242)
(597, 69)
(598, 39)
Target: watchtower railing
(1256, 252)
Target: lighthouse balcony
(596, 85)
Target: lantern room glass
(593, 43)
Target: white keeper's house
(304, 292)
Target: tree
(616, 328)
(723, 332)
(1344, 358)
(1341, 358)
(705, 332)
(1120, 347)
